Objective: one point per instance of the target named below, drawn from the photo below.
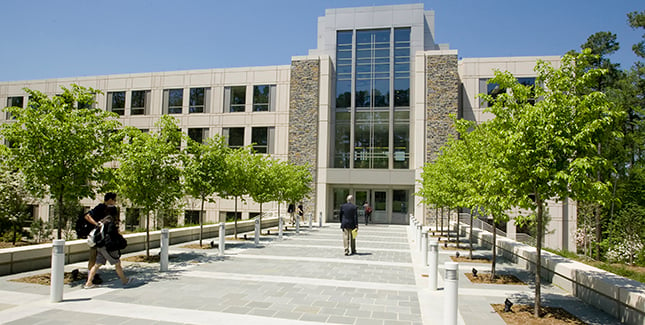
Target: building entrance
(389, 206)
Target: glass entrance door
(379, 206)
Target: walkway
(303, 279)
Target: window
(191, 217)
(87, 104)
(199, 99)
(198, 134)
(116, 102)
(234, 137)
(173, 100)
(17, 101)
(263, 97)
(230, 216)
(139, 102)
(132, 217)
(235, 98)
(262, 139)
(494, 90)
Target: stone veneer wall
(442, 99)
(304, 93)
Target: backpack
(96, 236)
(368, 210)
(83, 228)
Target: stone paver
(303, 278)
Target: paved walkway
(302, 279)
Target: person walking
(93, 217)
(368, 212)
(109, 249)
(349, 222)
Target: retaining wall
(619, 296)
(34, 257)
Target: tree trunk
(260, 217)
(457, 235)
(597, 216)
(148, 233)
(201, 223)
(235, 218)
(448, 225)
(442, 221)
(538, 262)
(470, 237)
(436, 218)
(60, 216)
(493, 262)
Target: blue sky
(67, 38)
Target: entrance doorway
(389, 206)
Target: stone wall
(304, 93)
(442, 99)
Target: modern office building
(366, 109)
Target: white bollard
(433, 264)
(280, 226)
(451, 288)
(310, 220)
(297, 225)
(257, 231)
(424, 248)
(320, 219)
(58, 270)
(222, 238)
(419, 232)
(163, 255)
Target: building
(367, 109)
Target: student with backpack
(108, 243)
(90, 220)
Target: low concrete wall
(34, 257)
(624, 298)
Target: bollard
(58, 270)
(163, 255)
(451, 287)
(320, 219)
(310, 217)
(257, 231)
(419, 232)
(424, 248)
(222, 238)
(280, 227)
(297, 225)
(433, 264)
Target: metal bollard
(419, 232)
(280, 227)
(310, 220)
(58, 270)
(433, 264)
(424, 248)
(257, 231)
(297, 225)
(163, 255)
(222, 238)
(451, 284)
(320, 219)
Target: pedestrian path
(303, 279)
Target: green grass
(631, 272)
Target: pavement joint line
(302, 280)
(324, 260)
(358, 241)
(368, 249)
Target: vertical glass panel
(381, 142)
(197, 100)
(343, 93)
(261, 98)
(342, 140)
(340, 197)
(381, 93)
(363, 87)
(402, 92)
(116, 102)
(362, 140)
(259, 138)
(196, 134)
(235, 137)
(380, 201)
(175, 101)
(238, 98)
(401, 139)
(400, 201)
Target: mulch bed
(523, 315)
(45, 279)
(499, 279)
(5, 244)
(465, 259)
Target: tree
(637, 20)
(13, 204)
(237, 177)
(204, 172)
(263, 186)
(62, 150)
(550, 144)
(150, 169)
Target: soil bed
(500, 278)
(45, 279)
(523, 315)
(465, 259)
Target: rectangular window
(342, 143)
(262, 139)
(401, 138)
(173, 100)
(191, 217)
(230, 216)
(16, 101)
(344, 50)
(139, 102)
(116, 102)
(263, 96)
(132, 217)
(234, 137)
(234, 98)
(199, 99)
(198, 134)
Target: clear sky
(67, 38)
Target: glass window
(261, 98)
(400, 201)
(132, 217)
(88, 104)
(261, 137)
(234, 137)
(16, 101)
(198, 134)
(139, 102)
(199, 98)
(116, 102)
(173, 100)
(237, 98)
(191, 217)
(401, 138)
(342, 133)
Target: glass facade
(372, 113)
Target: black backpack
(83, 227)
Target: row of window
(262, 137)
(198, 99)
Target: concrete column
(163, 256)
(451, 287)
(433, 264)
(222, 238)
(58, 270)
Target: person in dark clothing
(368, 212)
(301, 212)
(94, 216)
(349, 222)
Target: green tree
(637, 20)
(150, 169)
(550, 145)
(237, 177)
(204, 171)
(62, 150)
(13, 204)
(262, 187)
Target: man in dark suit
(348, 222)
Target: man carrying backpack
(93, 217)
